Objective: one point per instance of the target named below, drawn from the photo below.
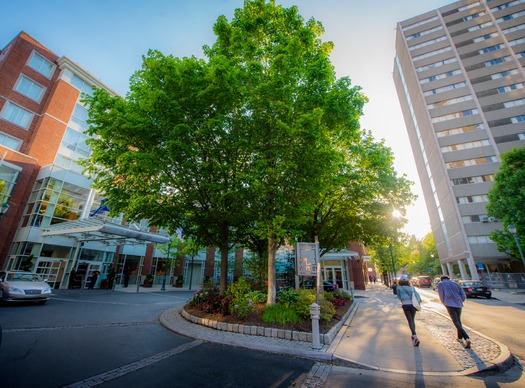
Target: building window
(29, 88)
(17, 115)
(509, 138)
(10, 142)
(518, 119)
(440, 76)
(504, 74)
(472, 179)
(76, 142)
(457, 131)
(68, 164)
(42, 65)
(485, 37)
(451, 101)
(471, 162)
(479, 26)
(455, 115)
(82, 85)
(506, 5)
(436, 64)
(465, 146)
(80, 115)
(512, 29)
(53, 201)
(445, 89)
(472, 199)
(8, 176)
(508, 88)
(420, 23)
(496, 61)
(510, 17)
(479, 240)
(428, 43)
(489, 49)
(432, 53)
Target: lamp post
(512, 230)
(3, 209)
(163, 288)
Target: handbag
(415, 301)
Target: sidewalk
(376, 337)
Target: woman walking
(404, 293)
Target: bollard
(315, 312)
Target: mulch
(254, 319)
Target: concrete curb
(501, 363)
(174, 321)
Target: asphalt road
(114, 339)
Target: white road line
(123, 370)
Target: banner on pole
(307, 259)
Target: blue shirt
(404, 294)
(451, 294)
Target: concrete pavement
(375, 336)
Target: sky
(109, 37)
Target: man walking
(452, 296)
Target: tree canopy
(258, 142)
(507, 199)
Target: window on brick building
(16, 115)
(42, 65)
(10, 142)
(29, 88)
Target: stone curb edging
(501, 363)
(325, 339)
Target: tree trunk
(272, 292)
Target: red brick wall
(18, 199)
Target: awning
(340, 254)
(93, 229)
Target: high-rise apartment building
(459, 74)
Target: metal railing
(504, 280)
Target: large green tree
(172, 151)
(507, 199)
(250, 144)
(299, 114)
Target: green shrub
(327, 309)
(280, 314)
(329, 296)
(342, 294)
(257, 296)
(306, 298)
(241, 307)
(239, 288)
(286, 297)
(302, 304)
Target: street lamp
(3, 209)
(512, 230)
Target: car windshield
(23, 277)
(473, 284)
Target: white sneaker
(415, 340)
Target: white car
(22, 286)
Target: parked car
(473, 289)
(22, 286)
(423, 281)
(327, 286)
(435, 283)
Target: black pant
(455, 315)
(410, 313)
